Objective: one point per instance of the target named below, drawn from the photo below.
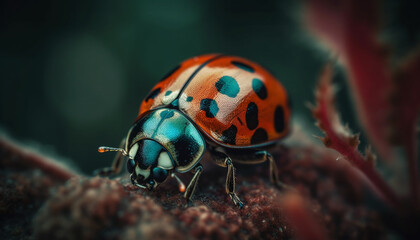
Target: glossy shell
(171, 129)
(233, 101)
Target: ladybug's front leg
(224, 160)
(193, 183)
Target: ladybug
(226, 105)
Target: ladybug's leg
(193, 183)
(224, 160)
(115, 167)
(230, 183)
(274, 175)
(256, 157)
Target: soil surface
(39, 202)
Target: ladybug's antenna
(103, 149)
(180, 183)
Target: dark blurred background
(73, 73)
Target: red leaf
(342, 140)
(350, 29)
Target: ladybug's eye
(159, 174)
(130, 165)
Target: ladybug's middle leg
(224, 160)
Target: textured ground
(42, 204)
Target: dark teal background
(73, 73)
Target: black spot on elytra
(243, 66)
(240, 121)
(228, 86)
(251, 116)
(170, 73)
(259, 88)
(210, 107)
(168, 93)
(259, 136)
(189, 99)
(229, 135)
(152, 94)
(279, 119)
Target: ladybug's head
(149, 164)
(161, 142)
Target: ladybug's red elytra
(226, 105)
